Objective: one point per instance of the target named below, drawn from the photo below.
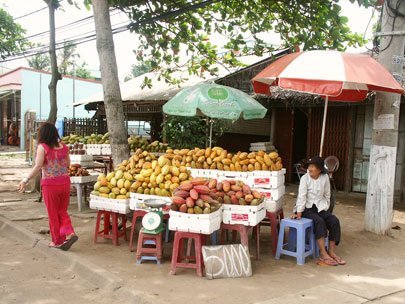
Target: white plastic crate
(233, 175)
(80, 158)
(83, 179)
(266, 179)
(93, 149)
(272, 194)
(273, 205)
(207, 173)
(197, 223)
(244, 215)
(136, 200)
(108, 204)
(105, 149)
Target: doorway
(299, 138)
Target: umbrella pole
(211, 122)
(325, 113)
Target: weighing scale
(152, 222)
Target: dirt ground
(375, 266)
(24, 279)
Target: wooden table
(106, 160)
(96, 165)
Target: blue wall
(35, 99)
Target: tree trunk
(383, 153)
(109, 77)
(54, 64)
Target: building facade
(24, 96)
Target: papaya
(127, 184)
(104, 190)
(110, 176)
(115, 190)
(97, 186)
(120, 183)
(103, 181)
(119, 174)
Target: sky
(125, 42)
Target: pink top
(55, 167)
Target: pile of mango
(138, 142)
(160, 177)
(196, 197)
(92, 139)
(115, 185)
(218, 158)
(142, 173)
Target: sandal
(339, 260)
(327, 262)
(69, 242)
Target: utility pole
(74, 89)
(383, 152)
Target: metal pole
(211, 123)
(74, 90)
(325, 113)
(40, 96)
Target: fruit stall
(199, 192)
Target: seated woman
(313, 203)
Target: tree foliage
(66, 57)
(40, 61)
(190, 132)
(138, 70)
(168, 29)
(11, 36)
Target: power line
(68, 26)
(31, 13)
(120, 29)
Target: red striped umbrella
(334, 75)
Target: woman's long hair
(48, 134)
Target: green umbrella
(214, 101)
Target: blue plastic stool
(214, 238)
(296, 246)
(147, 257)
(316, 247)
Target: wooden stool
(272, 220)
(178, 250)
(108, 233)
(244, 235)
(153, 253)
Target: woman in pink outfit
(53, 158)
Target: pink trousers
(57, 201)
